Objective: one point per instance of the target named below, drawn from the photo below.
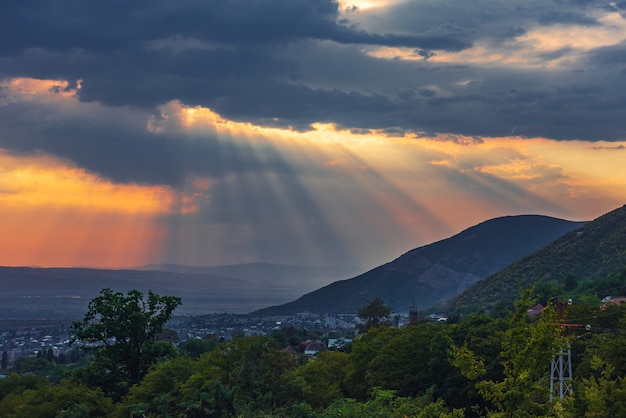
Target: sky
(301, 132)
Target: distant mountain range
(267, 274)
(589, 254)
(65, 292)
(480, 268)
(438, 271)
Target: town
(52, 339)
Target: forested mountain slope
(592, 257)
(437, 271)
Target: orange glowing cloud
(490, 176)
(54, 214)
(403, 189)
(527, 50)
(553, 37)
(365, 4)
(46, 182)
(545, 167)
(31, 89)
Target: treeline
(479, 366)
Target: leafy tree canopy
(374, 314)
(122, 330)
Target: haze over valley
(426, 275)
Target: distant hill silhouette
(438, 271)
(268, 274)
(593, 252)
(29, 292)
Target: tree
(413, 361)
(603, 395)
(250, 376)
(5, 360)
(527, 348)
(324, 377)
(50, 355)
(385, 403)
(36, 365)
(41, 399)
(194, 347)
(261, 373)
(122, 330)
(164, 378)
(364, 350)
(373, 314)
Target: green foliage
(293, 337)
(364, 349)
(50, 355)
(122, 331)
(601, 396)
(413, 361)
(324, 378)
(166, 377)
(386, 404)
(612, 284)
(570, 283)
(546, 290)
(373, 314)
(35, 365)
(483, 336)
(44, 400)
(481, 366)
(194, 347)
(409, 361)
(480, 338)
(217, 403)
(600, 387)
(261, 374)
(588, 261)
(16, 384)
(527, 350)
(245, 377)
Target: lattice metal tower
(561, 368)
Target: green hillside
(587, 263)
(435, 272)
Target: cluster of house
(28, 342)
(606, 301)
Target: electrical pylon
(561, 374)
(561, 367)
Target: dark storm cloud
(128, 153)
(121, 51)
(495, 20)
(113, 25)
(293, 63)
(611, 55)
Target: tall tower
(561, 368)
(413, 313)
(561, 374)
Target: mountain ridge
(65, 291)
(266, 272)
(595, 250)
(436, 271)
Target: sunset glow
(331, 133)
(46, 201)
(55, 214)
